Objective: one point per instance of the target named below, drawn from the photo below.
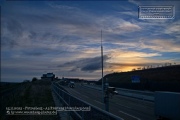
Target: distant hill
(161, 78)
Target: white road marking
(75, 91)
(80, 93)
(85, 96)
(130, 115)
(123, 105)
(121, 118)
(98, 101)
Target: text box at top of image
(156, 12)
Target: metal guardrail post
(63, 95)
(69, 105)
(69, 101)
(82, 111)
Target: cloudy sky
(65, 38)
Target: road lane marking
(98, 101)
(130, 115)
(80, 93)
(85, 96)
(75, 91)
(122, 105)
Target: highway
(125, 107)
(145, 95)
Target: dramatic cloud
(11, 31)
(136, 2)
(173, 29)
(65, 38)
(162, 45)
(116, 25)
(87, 64)
(132, 54)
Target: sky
(64, 37)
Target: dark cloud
(13, 26)
(34, 53)
(72, 18)
(33, 35)
(6, 41)
(12, 30)
(93, 64)
(39, 52)
(86, 64)
(92, 67)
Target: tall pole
(105, 95)
(102, 68)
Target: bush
(34, 79)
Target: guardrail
(94, 112)
(140, 96)
(137, 91)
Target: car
(116, 92)
(112, 90)
(71, 85)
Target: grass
(36, 94)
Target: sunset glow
(65, 38)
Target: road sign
(135, 79)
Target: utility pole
(102, 68)
(105, 94)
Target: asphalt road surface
(125, 107)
